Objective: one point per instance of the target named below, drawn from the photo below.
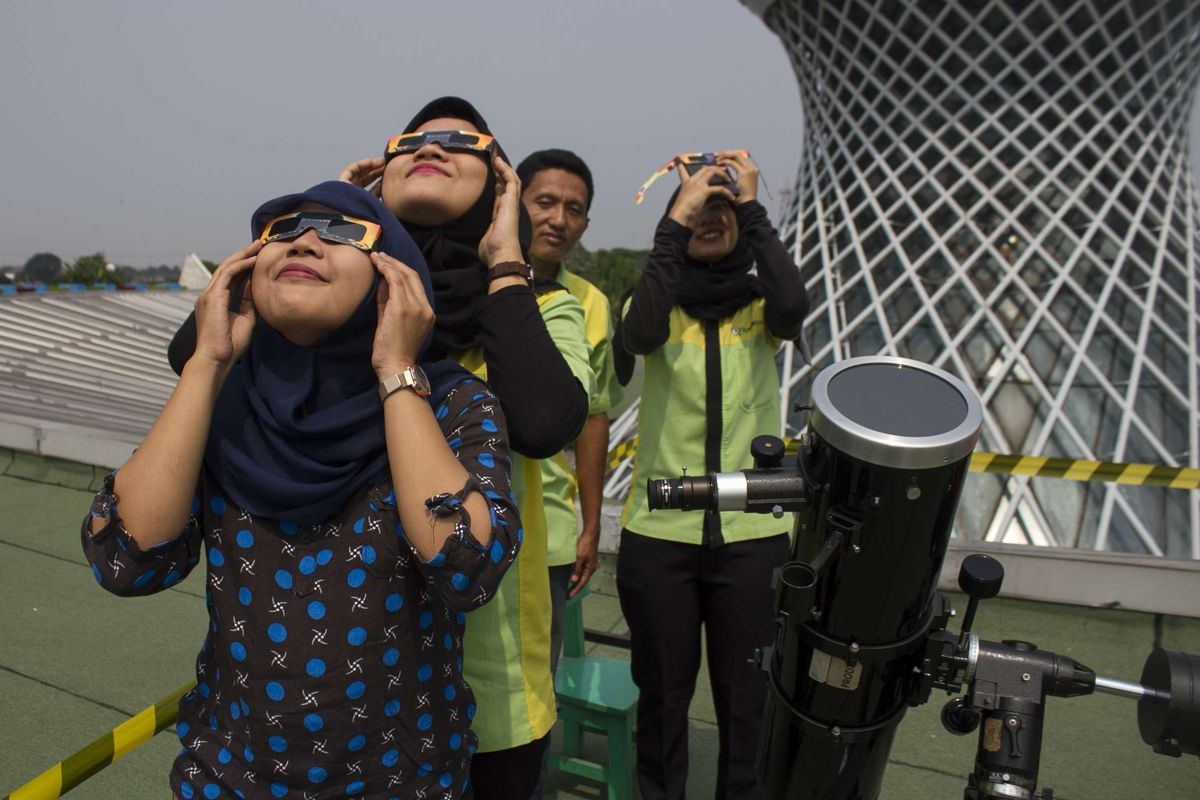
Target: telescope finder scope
(772, 490)
(684, 493)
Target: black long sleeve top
(645, 326)
(544, 404)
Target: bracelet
(506, 268)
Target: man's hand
(587, 553)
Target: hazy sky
(151, 129)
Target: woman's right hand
(365, 172)
(223, 329)
(695, 189)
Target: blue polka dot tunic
(333, 661)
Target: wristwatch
(506, 268)
(410, 378)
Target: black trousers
(667, 591)
(508, 774)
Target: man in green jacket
(557, 193)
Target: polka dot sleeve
(121, 566)
(465, 573)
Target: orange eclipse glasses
(690, 161)
(335, 228)
(464, 141)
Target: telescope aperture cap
(1171, 726)
(895, 412)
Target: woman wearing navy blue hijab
(352, 499)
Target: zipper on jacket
(713, 395)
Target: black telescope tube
(841, 672)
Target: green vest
(672, 421)
(506, 647)
(558, 477)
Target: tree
(613, 271)
(42, 268)
(88, 269)
(122, 274)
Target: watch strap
(506, 268)
(409, 378)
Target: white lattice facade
(1003, 189)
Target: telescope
(861, 632)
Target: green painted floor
(75, 661)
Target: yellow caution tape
(1072, 469)
(625, 449)
(75, 769)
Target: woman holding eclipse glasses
(450, 184)
(353, 502)
(442, 177)
(717, 295)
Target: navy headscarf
(297, 430)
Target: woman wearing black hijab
(708, 329)
(447, 209)
(532, 349)
(347, 495)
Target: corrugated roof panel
(92, 362)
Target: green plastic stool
(598, 695)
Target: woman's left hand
(745, 170)
(405, 316)
(502, 241)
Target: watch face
(421, 382)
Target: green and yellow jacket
(710, 385)
(506, 648)
(558, 478)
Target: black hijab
(715, 290)
(451, 250)
(297, 430)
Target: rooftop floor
(76, 661)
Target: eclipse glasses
(465, 141)
(336, 228)
(691, 162)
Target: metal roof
(84, 375)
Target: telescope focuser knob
(980, 576)
(767, 451)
